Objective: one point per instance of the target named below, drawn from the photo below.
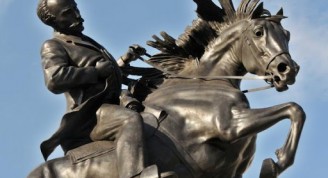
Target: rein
(209, 78)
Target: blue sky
(30, 113)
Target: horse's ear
(280, 12)
(258, 11)
(279, 16)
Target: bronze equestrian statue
(197, 121)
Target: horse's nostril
(282, 67)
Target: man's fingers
(138, 49)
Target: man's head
(62, 15)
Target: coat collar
(79, 41)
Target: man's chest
(83, 56)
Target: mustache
(79, 22)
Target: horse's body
(200, 130)
(210, 130)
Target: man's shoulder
(52, 43)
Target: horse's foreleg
(247, 122)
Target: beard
(75, 28)
(78, 28)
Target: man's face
(68, 19)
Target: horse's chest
(196, 114)
(219, 156)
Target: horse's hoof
(269, 169)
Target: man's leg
(126, 128)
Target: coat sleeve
(59, 74)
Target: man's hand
(133, 53)
(137, 50)
(104, 68)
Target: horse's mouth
(279, 85)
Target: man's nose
(77, 14)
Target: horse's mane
(211, 21)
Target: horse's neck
(223, 56)
(219, 61)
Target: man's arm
(59, 75)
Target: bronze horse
(204, 126)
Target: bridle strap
(258, 89)
(273, 57)
(208, 78)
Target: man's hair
(44, 14)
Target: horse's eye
(259, 32)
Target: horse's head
(261, 43)
(265, 51)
